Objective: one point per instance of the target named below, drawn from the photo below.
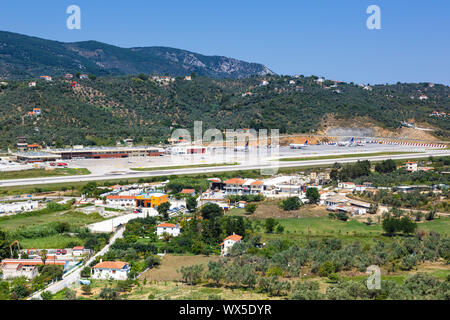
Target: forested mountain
(106, 109)
(23, 57)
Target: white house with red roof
(16, 270)
(411, 166)
(116, 270)
(188, 192)
(121, 201)
(346, 185)
(228, 243)
(78, 251)
(169, 228)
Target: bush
(291, 204)
(250, 208)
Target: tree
(4, 246)
(109, 294)
(373, 208)
(211, 210)
(215, 272)
(390, 225)
(291, 204)
(342, 216)
(307, 290)
(313, 195)
(47, 295)
(86, 272)
(86, 289)
(407, 226)
(270, 225)
(191, 204)
(43, 255)
(430, 215)
(191, 274)
(250, 208)
(326, 269)
(163, 210)
(69, 294)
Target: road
(74, 275)
(265, 164)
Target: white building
(172, 229)
(228, 243)
(116, 270)
(78, 251)
(347, 185)
(411, 166)
(16, 270)
(121, 201)
(19, 206)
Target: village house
(234, 186)
(84, 77)
(228, 243)
(172, 229)
(411, 166)
(121, 201)
(346, 185)
(16, 270)
(116, 270)
(242, 204)
(78, 251)
(46, 78)
(256, 187)
(188, 192)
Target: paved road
(74, 275)
(270, 165)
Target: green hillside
(107, 109)
(23, 57)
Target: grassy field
(187, 166)
(342, 156)
(24, 223)
(171, 290)
(298, 229)
(42, 173)
(167, 271)
(51, 242)
(19, 221)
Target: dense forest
(103, 110)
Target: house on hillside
(121, 201)
(234, 186)
(116, 270)
(16, 270)
(411, 166)
(228, 243)
(188, 192)
(172, 229)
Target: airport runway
(269, 167)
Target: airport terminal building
(90, 153)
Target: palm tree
(43, 255)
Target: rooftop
(111, 265)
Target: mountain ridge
(23, 57)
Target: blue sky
(327, 38)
